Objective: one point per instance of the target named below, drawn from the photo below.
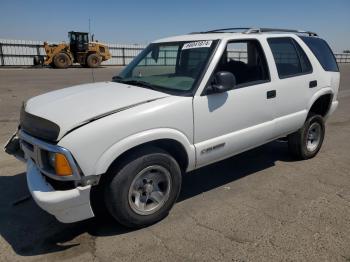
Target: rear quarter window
(322, 51)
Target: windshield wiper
(137, 83)
(116, 78)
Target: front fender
(107, 158)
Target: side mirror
(222, 82)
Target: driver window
(246, 61)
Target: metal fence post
(165, 57)
(2, 56)
(38, 50)
(123, 55)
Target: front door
(242, 118)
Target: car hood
(72, 107)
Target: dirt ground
(258, 206)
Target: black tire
(36, 60)
(301, 145)
(62, 61)
(122, 177)
(93, 61)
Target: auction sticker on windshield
(198, 44)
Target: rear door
(294, 82)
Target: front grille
(28, 145)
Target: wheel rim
(150, 190)
(313, 136)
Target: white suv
(183, 103)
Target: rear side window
(304, 60)
(289, 57)
(323, 52)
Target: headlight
(60, 164)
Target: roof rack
(248, 30)
(278, 30)
(222, 30)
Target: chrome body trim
(33, 148)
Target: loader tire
(61, 61)
(93, 61)
(37, 60)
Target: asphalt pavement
(257, 206)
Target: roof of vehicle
(229, 32)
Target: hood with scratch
(70, 108)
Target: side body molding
(124, 145)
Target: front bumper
(67, 206)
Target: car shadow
(31, 231)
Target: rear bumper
(67, 206)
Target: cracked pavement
(257, 206)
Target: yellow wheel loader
(79, 50)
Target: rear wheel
(93, 61)
(38, 60)
(61, 60)
(143, 189)
(307, 141)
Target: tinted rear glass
(323, 52)
(286, 57)
(304, 60)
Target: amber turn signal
(62, 166)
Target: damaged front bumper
(66, 205)
(13, 147)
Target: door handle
(313, 84)
(271, 94)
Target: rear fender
(318, 94)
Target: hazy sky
(143, 21)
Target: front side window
(246, 60)
(173, 67)
(289, 57)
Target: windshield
(173, 67)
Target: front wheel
(143, 189)
(62, 61)
(307, 141)
(93, 61)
